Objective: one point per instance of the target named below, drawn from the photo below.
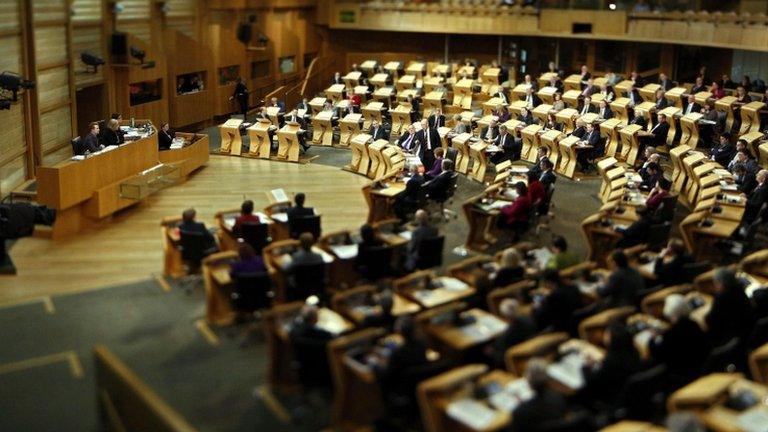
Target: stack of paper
(568, 371)
(472, 413)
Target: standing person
(165, 137)
(241, 95)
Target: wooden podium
(317, 104)
(646, 109)
(479, 160)
(258, 133)
(551, 140)
(352, 80)
(482, 123)
(547, 94)
(384, 95)
(753, 141)
(623, 88)
(433, 101)
(610, 130)
(335, 93)
(726, 106)
(568, 147)
(630, 145)
(462, 93)
(545, 78)
(361, 162)
(461, 143)
(430, 84)
(763, 154)
(689, 124)
(541, 112)
(401, 117)
(675, 95)
(490, 106)
(372, 112)
(379, 80)
(648, 92)
(394, 68)
(288, 142)
(620, 106)
(702, 97)
(322, 128)
(491, 81)
(676, 156)
(531, 143)
(349, 127)
(516, 107)
(376, 158)
(568, 118)
(571, 97)
(572, 82)
(671, 112)
(417, 69)
(369, 66)
(274, 114)
(518, 92)
(230, 137)
(750, 118)
(406, 82)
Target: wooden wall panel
(9, 17)
(142, 30)
(49, 10)
(10, 54)
(181, 8)
(86, 10)
(59, 155)
(134, 9)
(12, 174)
(185, 25)
(53, 88)
(87, 39)
(50, 46)
(56, 128)
(12, 125)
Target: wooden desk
(433, 101)
(349, 127)
(758, 364)
(381, 200)
(360, 160)
(261, 144)
(572, 82)
(567, 117)
(352, 80)
(288, 142)
(750, 117)
(322, 128)
(353, 304)
(461, 143)
(690, 129)
(405, 82)
(459, 339)
(630, 146)
(401, 118)
(429, 291)
(531, 137)
(675, 95)
(620, 106)
(218, 307)
(380, 80)
(632, 426)
(609, 129)
(726, 105)
(592, 328)
(479, 160)
(462, 93)
(335, 93)
(172, 263)
(568, 155)
(547, 94)
(230, 137)
(193, 155)
(372, 111)
(545, 346)
(648, 92)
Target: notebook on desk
(472, 413)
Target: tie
(429, 140)
(408, 142)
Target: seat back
(375, 263)
(252, 291)
(302, 224)
(312, 358)
(430, 253)
(728, 357)
(255, 234)
(658, 235)
(193, 248)
(445, 192)
(642, 389)
(694, 269)
(77, 148)
(308, 280)
(666, 211)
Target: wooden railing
(314, 80)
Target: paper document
(278, 195)
(280, 217)
(452, 284)
(754, 420)
(345, 251)
(472, 413)
(568, 371)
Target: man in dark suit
(639, 120)
(438, 184)
(429, 139)
(657, 137)
(634, 96)
(541, 154)
(531, 99)
(501, 95)
(407, 201)
(337, 79)
(581, 129)
(547, 177)
(423, 231)
(164, 137)
(547, 407)
(304, 255)
(298, 210)
(415, 109)
(277, 103)
(586, 106)
(661, 101)
(409, 141)
(377, 131)
(650, 175)
(731, 314)
(637, 232)
(190, 225)
(699, 86)
(91, 140)
(691, 106)
(556, 308)
(723, 152)
(593, 139)
(510, 147)
(604, 111)
(309, 342)
(585, 76)
(520, 328)
(490, 132)
(745, 180)
(669, 266)
(756, 199)
(623, 284)
(665, 82)
(436, 119)
(241, 95)
(304, 104)
(683, 346)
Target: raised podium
(230, 137)
(349, 127)
(568, 148)
(490, 106)
(317, 104)
(547, 94)
(417, 69)
(274, 114)
(689, 124)
(401, 117)
(433, 101)
(261, 144)
(479, 160)
(462, 93)
(376, 158)
(430, 84)
(531, 142)
(461, 143)
(379, 80)
(288, 142)
(551, 140)
(648, 92)
(360, 162)
(726, 106)
(352, 80)
(406, 82)
(675, 95)
(620, 106)
(518, 92)
(335, 93)
(369, 66)
(542, 111)
(750, 117)
(630, 146)
(610, 130)
(753, 141)
(322, 128)
(571, 97)
(568, 118)
(491, 82)
(572, 82)
(623, 88)
(372, 112)
(394, 68)
(384, 95)
(671, 113)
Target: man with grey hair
(520, 327)
(683, 346)
(546, 407)
(757, 199)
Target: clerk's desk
(194, 153)
(83, 192)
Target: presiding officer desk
(88, 190)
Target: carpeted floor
(154, 332)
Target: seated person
(581, 129)
(546, 407)
(190, 225)
(298, 209)
(369, 238)
(437, 166)
(605, 380)
(745, 180)
(561, 257)
(165, 137)
(723, 151)
(91, 140)
(395, 376)
(458, 126)
(515, 216)
(520, 328)
(246, 215)
(757, 199)
(556, 308)
(309, 342)
(669, 266)
(651, 156)
(119, 118)
(438, 185)
(408, 141)
(490, 132)
(604, 111)
(591, 138)
(510, 269)
(110, 135)
(526, 117)
(636, 233)
(731, 314)
(423, 231)
(658, 194)
(536, 192)
(249, 263)
(510, 147)
(683, 346)
(623, 284)
(651, 176)
(552, 123)
(381, 317)
(377, 131)
(407, 201)
(541, 154)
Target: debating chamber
(384, 215)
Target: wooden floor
(127, 247)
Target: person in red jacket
(536, 192)
(246, 215)
(515, 216)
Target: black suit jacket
(527, 120)
(661, 104)
(747, 183)
(635, 234)
(296, 211)
(590, 109)
(608, 114)
(722, 154)
(91, 143)
(164, 140)
(660, 132)
(606, 381)
(557, 308)
(418, 235)
(412, 145)
(622, 287)
(666, 85)
(378, 133)
(755, 202)
(434, 139)
(436, 121)
(494, 132)
(696, 108)
(672, 272)
(197, 227)
(547, 178)
(506, 142)
(110, 138)
(731, 316)
(683, 348)
(698, 89)
(534, 415)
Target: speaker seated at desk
(657, 136)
